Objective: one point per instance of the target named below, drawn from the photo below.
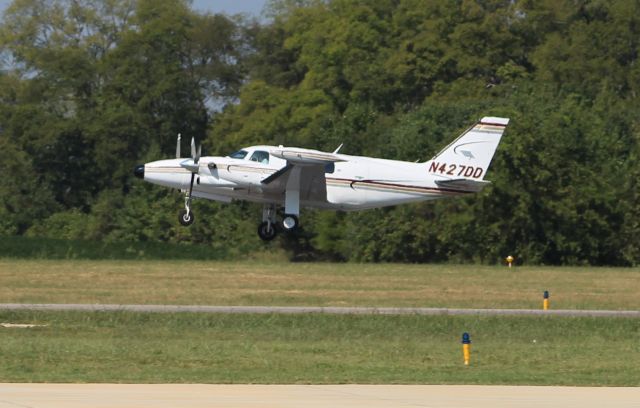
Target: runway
(316, 309)
(310, 396)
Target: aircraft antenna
(178, 147)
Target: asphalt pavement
(316, 309)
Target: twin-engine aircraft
(292, 178)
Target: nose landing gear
(185, 216)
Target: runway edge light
(466, 348)
(545, 300)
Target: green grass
(319, 349)
(201, 348)
(260, 283)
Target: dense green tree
(100, 85)
(88, 88)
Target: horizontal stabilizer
(463, 184)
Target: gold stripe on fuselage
(249, 169)
(166, 170)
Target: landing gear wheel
(186, 219)
(266, 231)
(290, 222)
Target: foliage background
(90, 88)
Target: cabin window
(260, 157)
(240, 154)
(329, 168)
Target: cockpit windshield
(260, 157)
(240, 154)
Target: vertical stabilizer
(469, 156)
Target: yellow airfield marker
(545, 300)
(466, 348)
(509, 260)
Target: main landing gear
(290, 222)
(268, 228)
(266, 231)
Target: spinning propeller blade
(193, 166)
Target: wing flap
(311, 183)
(463, 184)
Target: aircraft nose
(139, 171)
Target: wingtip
(493, 120)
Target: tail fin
(469, 156)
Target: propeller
(191, 165)
(195, 155)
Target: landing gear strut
(267, 229)
(185, 216)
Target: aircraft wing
(305, 157)
(310, 181)
(304, 171)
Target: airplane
(292, 178)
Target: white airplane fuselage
(292, 178)
(354, 184)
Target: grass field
(202, 348)
(285, 284)
(129, 347)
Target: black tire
(266, 232)
(184, 219)
(290, 222)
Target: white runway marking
(310, 396)
(317, 309)
(21, 325)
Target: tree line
(89, 88)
